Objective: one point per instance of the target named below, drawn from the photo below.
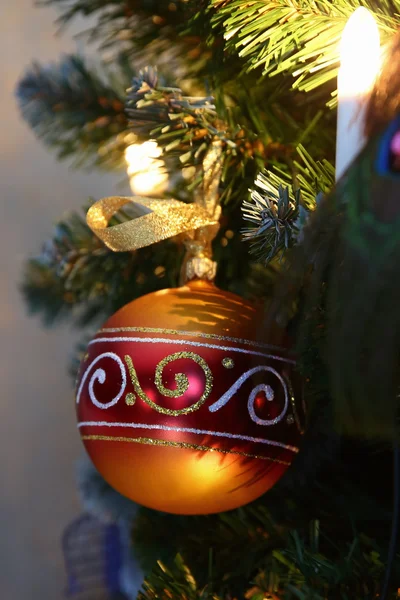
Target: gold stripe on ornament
(185, 445)
(203, 432)
(211, 336)
(182, 384)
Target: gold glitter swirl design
(182, 384)
(228, 363)
(186, 445)
(130, 399)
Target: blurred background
(39, 443)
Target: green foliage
(288, 554)
(278, 212)
(174, 582)
(143, 31)
(186, 126)
(273, 213)
(300, 38)
(118, 19)
(118, 9)
(76, 110)
(85, 108)
(220, 537)
(314, 177)
(77, 277)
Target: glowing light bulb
(360, 60)
(147, 176)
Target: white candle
(359, 66)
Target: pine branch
(174, 582)
(142, 30)
(296, 572)
(313, 177)
(115, 8)
(321, 559)
(160, 536)
(273, 213)
(301, 571)
(186, 126)
(118, 20)
(278, 209)
(166, 113)
(303, 541)
(78, 111)
(299, 38)
(76, 276)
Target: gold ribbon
(153, 220)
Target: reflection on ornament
(147, 176)
(182, 409)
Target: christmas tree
(233, 103)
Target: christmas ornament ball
(181, 408)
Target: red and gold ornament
(181, 409)
(179, 404)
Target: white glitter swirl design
(267, 389)
(234, 436)
(100, 376)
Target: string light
(147, 175)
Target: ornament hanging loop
(198, 262)
(155, 220)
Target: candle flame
(359, 53)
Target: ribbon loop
(153, 220)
